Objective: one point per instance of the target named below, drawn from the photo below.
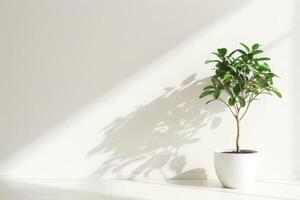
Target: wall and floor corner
(109, 89)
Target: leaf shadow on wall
(151, 137)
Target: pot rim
(230, 151)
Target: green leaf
(271, 74)
(206, 93)
(232, 67)
(210, 61)
(222, 52)
(242, 101)
(227, 77)
(255, 46)
(209, 87)
(252, 69)
(276, 91)
(264, 67)
(270, 80)
(257, 52)
(214, 79)
(210, 101)
(231, 101)
(242, 52)
(245, 46)
(250, 56)
(220, 65)
(255, 91)
(236, 90)
(262, 59)
(220, 73)
(217, 94)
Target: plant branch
(228, 106)
(235, 108)
(248, 105)
(238, 109)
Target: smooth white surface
(109, 88)
(139, 190)
(236, 170)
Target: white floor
(143, 190)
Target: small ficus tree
(241, 76)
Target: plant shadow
(149, 139)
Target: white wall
(110, 88)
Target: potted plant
(240, 77)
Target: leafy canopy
(243, 75)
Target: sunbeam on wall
(109, 89)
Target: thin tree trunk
(237, 134)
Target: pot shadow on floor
(196, 177)
(147, 142)
(193, 178)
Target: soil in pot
(242, 151)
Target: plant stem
(237, 134)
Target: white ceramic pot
(236, 170)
